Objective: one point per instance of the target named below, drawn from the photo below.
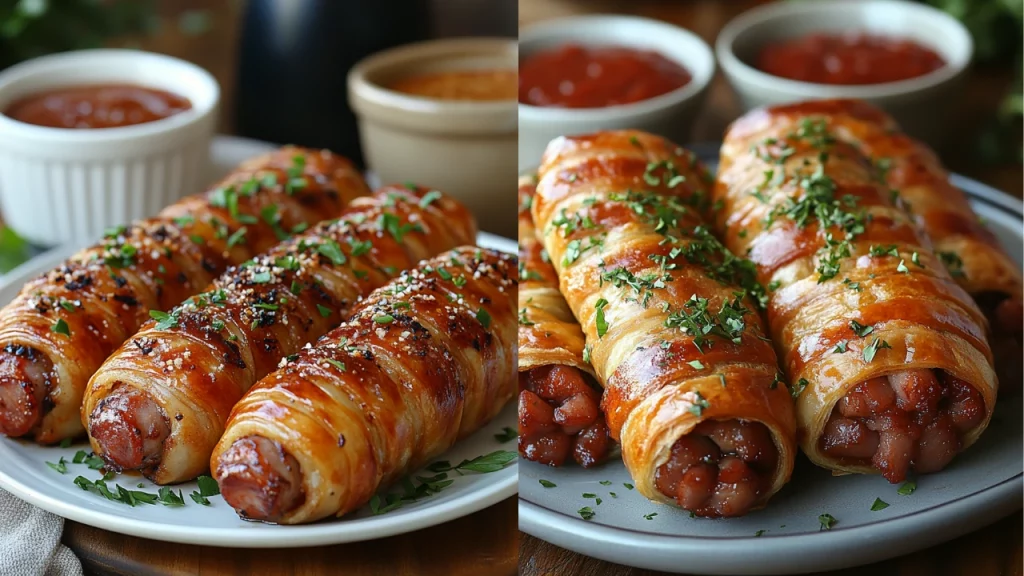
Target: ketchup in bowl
(574, 76)
(848, 59)
(97, 106)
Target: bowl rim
(689, 91)
(203, 94)
(733, 66)
(360, 87)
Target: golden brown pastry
(423, 362)
(671, 322)
(65, 323)
(159, 404)
(970, 252)
(559, 399)
(887, 351)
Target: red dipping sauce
(849, 59)
(97, 106)
(576, 77)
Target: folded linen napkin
(30, 541)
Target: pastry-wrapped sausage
(65, 323)
(424, 361)
(559, 400)
(670, 320)
(159, 404)
(970, 252)
(889, 352)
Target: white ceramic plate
(24, 473)
(979, 487)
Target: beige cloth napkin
(30, 541)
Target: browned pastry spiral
(424, 361)
(159, 404)
(65, 323)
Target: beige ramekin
(467, 149)
(59, 185)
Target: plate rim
(827, 550)
(505, 484)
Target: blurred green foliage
(30, 28)
(995, 26)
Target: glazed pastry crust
(372, 401)
(938, 207)
(548, 332)
(910, 300)
(253, 316)
(105, 292)
(631, 201)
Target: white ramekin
(671, 115)
(59, 185)
(919, 104)
(465, 148)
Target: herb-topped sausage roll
(970, 252)
(671, 322)
(559, 400)
(65, 323)
(889, 352)
(159, 404)
(424, 361)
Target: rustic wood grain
(483, 543)
(993, 551)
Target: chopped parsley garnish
(650, 516)
(335, 363)
(384, 319)
(547, 483)
(697, 364)
(332, 252)
(759, 533)
(953, 263)
(907, 488)
(860, 329)
(902, 267)
(124, 257)
(483, 317)
(238, 237)
(890, 250)
(840, 348)
(429, 198)
(360, 247)
(697, 321)
(799, 387)
(879, 504)
(523, 319)
(826, 521)
(699, 404)
(875, 346)
(602, 324)
(507, 434)
(586, 512)
(164, 320)
(392, 224)
(61, 327)
(324, 310)
(61, 465)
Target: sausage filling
(130, 429)
(26, 379)
(1006, 319)
(559, 413)
(259, 479)
(721, 468)
(911, 420)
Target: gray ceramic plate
(981, 486)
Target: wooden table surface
(993, 551)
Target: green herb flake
(827, 521)
(907, 488)
(61, 327)
(547, 483)
(324, 310)
(879, 504)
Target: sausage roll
(970, 252)
(160, 402)
(886, 351)
(559, 400)
(671, 322)
(424, 361)
(65, 323)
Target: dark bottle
(294, 58)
